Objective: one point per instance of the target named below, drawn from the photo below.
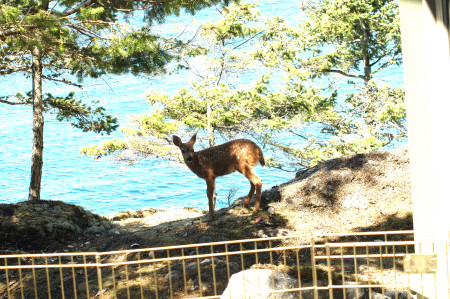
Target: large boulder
(258, 283)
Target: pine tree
(61, 40)
(294, 105)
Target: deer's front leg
(210, 191)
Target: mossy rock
(44, 225)
(133, 214)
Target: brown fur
(237, 155)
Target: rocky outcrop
(45, 225)
(349, 182)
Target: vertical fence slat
(99, 276)
(141, 287)
(313, 267)
(114, 282)
(299, 274)
(213, 269)
(343, 271)
(47, 275)
(74, 278)
(7, 286)
(228, 262)
(200, 287)
(61, 277)
(33, 271)
(20, 279)
(170, 274)
(330, 275)
(86, 279)
(127, 278)
(184, 272)
(368, 268)
(155, 277)
(355, 263)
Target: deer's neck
(195, 166)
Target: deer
(237, 155)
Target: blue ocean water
(104, 186)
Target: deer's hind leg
(250, 195)
(256, 184)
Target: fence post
(330, 276)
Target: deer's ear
(193, 138)
(176, 140)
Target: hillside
(362, 192)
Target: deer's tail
(261, 158)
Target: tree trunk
(366, 57)
(38, 127)
(210, 129)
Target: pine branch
(384, 55)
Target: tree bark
(38, 127)
(366, 57)
(210, 129)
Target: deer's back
(230, 156)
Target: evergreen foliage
(66, 40)
(296, 91)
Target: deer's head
(187, 149)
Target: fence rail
(358, 265)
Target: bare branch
(14, 31)
(343, 73)
(63, 80)
(13, 70)
(84, 31)
(248, 40)
(71, 11)
(12, 103)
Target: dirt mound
(46, 225)
(358, 192)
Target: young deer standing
(241, 155)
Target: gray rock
(258, 283)
(208, 261)
(206, 285)
(192, 267)
(174, 275)
(322, 294)
(392, 294)
(234, 266)
(376, 295)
